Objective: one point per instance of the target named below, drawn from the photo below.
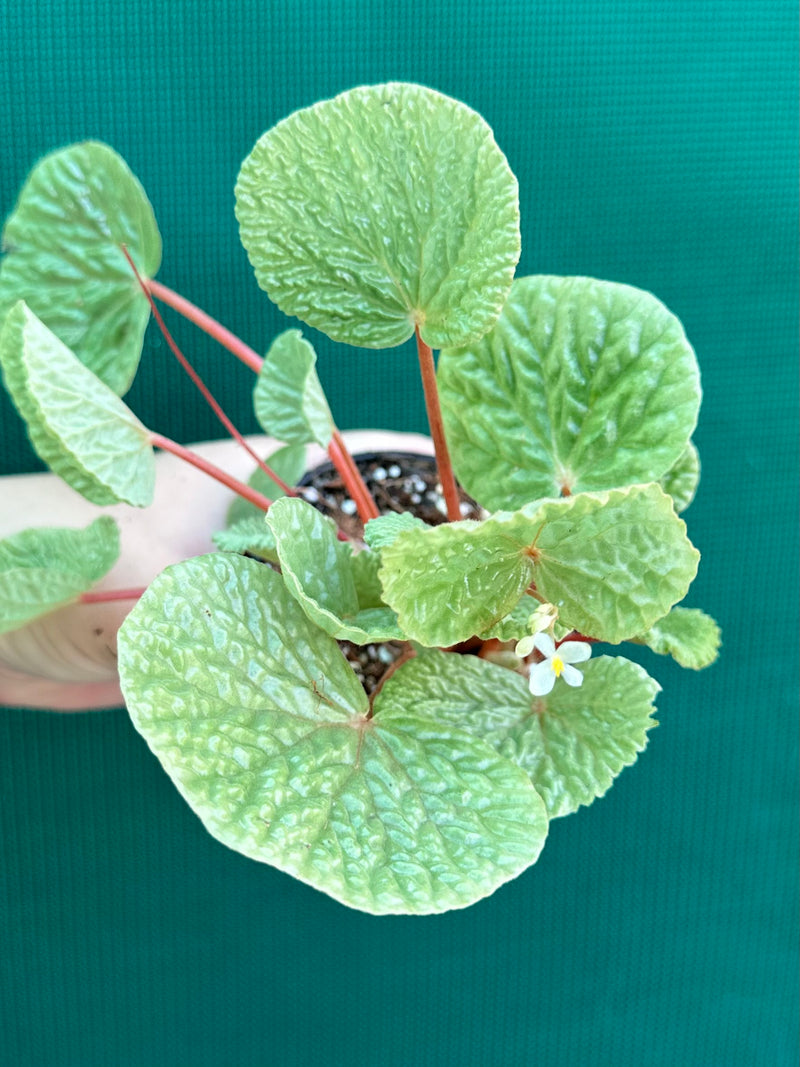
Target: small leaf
(63, 257)
(77, 425)
(386, 207)
(682, 478)
(581, 385)
(319, 572)
(380, 532)
(690, 636)
(44, 568)
(289, 463)
(288, 398)
(607, 561)
(572, 743)
(262, 726)
(249, 536)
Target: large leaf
(44, 568)
(607, 561)
(387, 207)
(320, 572)
(63, 256)
(581, 385)
(690, 636)
(288, 398)
(77, 425)
(572, 743)
(264, 729)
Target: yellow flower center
(558, 666)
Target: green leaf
(288, 398)
(386, 207)
(289, 463)
(63, 257)
(607, 561)
(250, 536)
(44, 568)
(319, 572)
(581, 385)
(264, 729)
(380, 532)
(572, 743)
(690, 636)
(77, 425)
(682, 479)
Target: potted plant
(563, 406)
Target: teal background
(655, 144)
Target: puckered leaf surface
(581, 385)
(690, 636)
(249, 536)
(320, 572)
(605, 560)
(385, 207)
(264, 729)
(77, 425)
(572, 743)
(46, 567)
(62, 240)
(382, 531)
(288, 398)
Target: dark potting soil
(398, 481)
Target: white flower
(557, 663)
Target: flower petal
(571, 675)
(545, 644)
(542, 679)
(524, 647)
(574, 651)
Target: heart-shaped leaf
(572, 743)
(78, 426)
(288, 398)
(386, 208)
(605, 560)
(44, 568)
(63, 257)
(581, 385)
(263, 727)
(319, 571)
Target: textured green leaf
(688, 635)
(581, 385)
(607, 561)
(77, 425)
(386, 207)
(380, 532)
(449, 582)
(264, 729)
(43, 568)
(572, 743)
(250, 536)
(682, 479)
(288, 398)
(319, 572)
(63, 257)
(289, 463)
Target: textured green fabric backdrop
(655, 144)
